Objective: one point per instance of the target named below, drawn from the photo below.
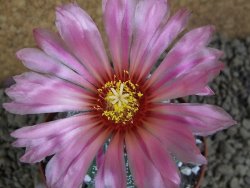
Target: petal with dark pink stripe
(81, 35)
(201, 119)
(176, 139)
(68, 167)
(118, 18)
(143, 169)
(56, 48)
(38, 61)
(190, 43)
(112, 170)
(148, 17)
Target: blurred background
(229, 151)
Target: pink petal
(205, 91)
(55, 48)
(38, 61)
(68, 167)
(145, 173)
(23, 142)
(54, 128)
(190, 43)
(160, 158)
(189, 83)
(118, 18)
(44, 92)
(163, 38)
(176, 138)
(112, 171)
(185, 65)
(22, 109)
(31, 77)
(62, 86)
(148, 17)
(201, 119)
(82, 36)
(52, 145)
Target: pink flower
(125, 101)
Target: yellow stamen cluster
(121, 100)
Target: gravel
(14, 174)
(229, 150)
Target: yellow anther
(140, 94)
(121, 99)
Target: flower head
(127, 101)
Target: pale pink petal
(46, 139)
(68, 167)
(61, 161)
(190, 43)
(201, 119)
(31, 77)
(112, 171)
(193, 59)
(23, 142)
(54, 128)
(159, 156)
(44, 102)
(45, 93)
(162, 39)
(176, 138)
(39, 93)
(82, 36)
(118, 18)
(185, 65)
(148, 17)
(143, 170)
(38, 61)
(62, 86)
(205, 91)
(189, 83)
(55, 47)
(53, 144)
(22, 109)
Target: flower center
(121, 100)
